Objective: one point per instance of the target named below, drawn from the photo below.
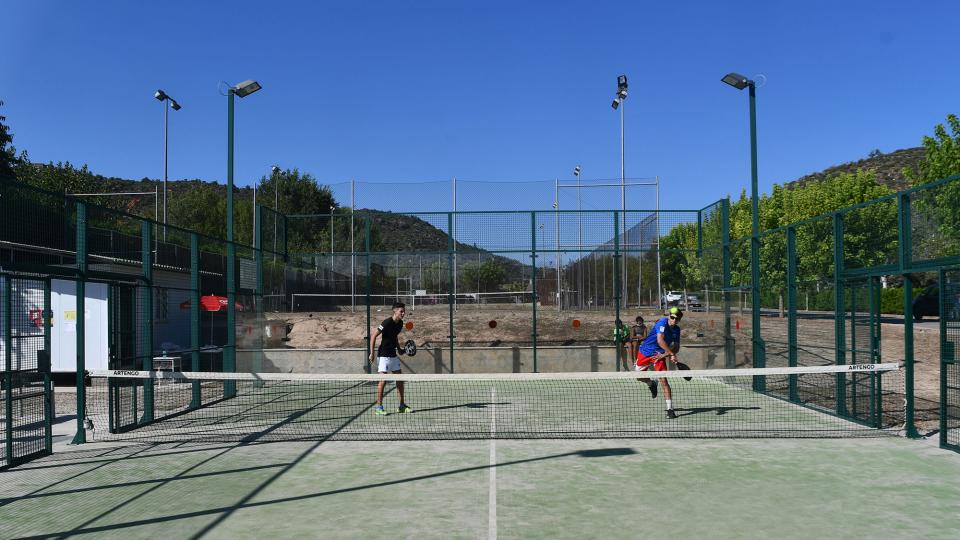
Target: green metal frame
(949, 395)
(6, 291)
(81, 436)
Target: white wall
(63, 302)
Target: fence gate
(859, 395)
(949, 364)
(26, 417)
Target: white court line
(492, 503)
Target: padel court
(886, 487)
(268, 460)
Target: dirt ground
(494, 326)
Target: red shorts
(659, 364)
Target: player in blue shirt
(660, 345)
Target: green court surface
(617, 406)
(883, 487)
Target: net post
(146, 314)
(909, 426)
(195, 316)
(451, 253)
(876, 402)
(729, 345)
(840, 313)
(81, 226)
(616, 287)
(792, 349)
(533, 283)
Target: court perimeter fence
(821, 282)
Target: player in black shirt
(386, 353)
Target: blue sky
(408, 92)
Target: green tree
(943, 153)
(936, 230)
(487, 276)
(7, 151)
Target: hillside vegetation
(201, 205)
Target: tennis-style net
(822, 401)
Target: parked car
(693, 302)
(927, 303)
(671, 298)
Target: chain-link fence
(506, 290)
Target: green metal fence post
(875, 382)
(146, 317)
(947, 357)
(906, 262)
(259, 318)
(533, 283)
(909, 403)
(195, 327)
(729, 343)
(451, 301)
(230, 349)
(792, 348)
(840, 313)
(7, 333)
(50, 410)
(81, 228)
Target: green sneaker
(404, 408)
(379, 410)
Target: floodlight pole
(740, 82)
(229, 356)
(623, 199)
(166, 124)
(556, 206)
(230, 100)
(758, 361)
(168, 102)
(578, 171)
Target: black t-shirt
(389, 330)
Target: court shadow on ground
(218, 514)
(475, 405)
(712, 410)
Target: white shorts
(388, 364)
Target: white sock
(669, 404)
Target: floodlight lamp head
(576, 171)
(622, 82)
(174, 105)
(246, 88)
(275, 169)
(737, 81)
(160, 95)
(615, 104)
